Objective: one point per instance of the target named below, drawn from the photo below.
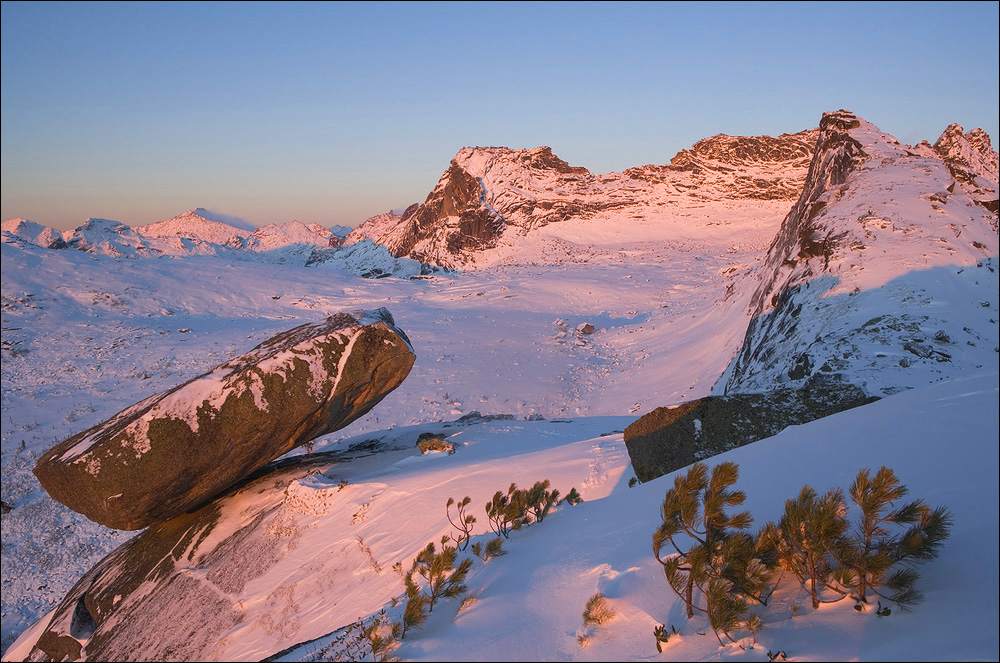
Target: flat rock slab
(670, 438)
(175, 590)
(175, 451)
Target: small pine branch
(597, 611)
(573, 497)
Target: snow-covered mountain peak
(35, 233)
(193, 225)
(877, 222)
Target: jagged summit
(873, 215)
(969, 156)
(490, 193)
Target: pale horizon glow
(330, 113)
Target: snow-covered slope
(192, 225)
(884, 268)
(669, 290)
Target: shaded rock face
(177, 450)
(668, 439)
(173, 591)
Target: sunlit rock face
(488, 192)
(174, 591)
(175, 451)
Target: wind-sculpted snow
(174, 451)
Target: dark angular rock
(668, 439)
(175, 451)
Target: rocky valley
(548, 323)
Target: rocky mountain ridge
(874, 214)
(491, 192)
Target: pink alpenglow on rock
(177, 450)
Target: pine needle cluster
(596, 613)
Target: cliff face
(490, 191)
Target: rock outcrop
(174, 591)
(872, 214)
(668, 439)
(177, 450)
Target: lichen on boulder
(175, 451)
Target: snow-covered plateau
(548, 309)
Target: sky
(330, 113)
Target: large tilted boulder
(669, 438)
(175, 451)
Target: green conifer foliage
(726, 564)
(415, 612)
(811, 528)
(507, 512)
(874, 549)
(573, 497)
(814, 540)
(440, 575)
(540, 500)
(493, 548)
(382, 637)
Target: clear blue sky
(331, 113)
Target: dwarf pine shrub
(716, 566)
(442, 579)
(493, 548)
(573, 497)
(815, 541)
(879, 558)
(463, 522)
(507, 512)
(725, 563)
(809, 537)
(539, 500)
(597, 611)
